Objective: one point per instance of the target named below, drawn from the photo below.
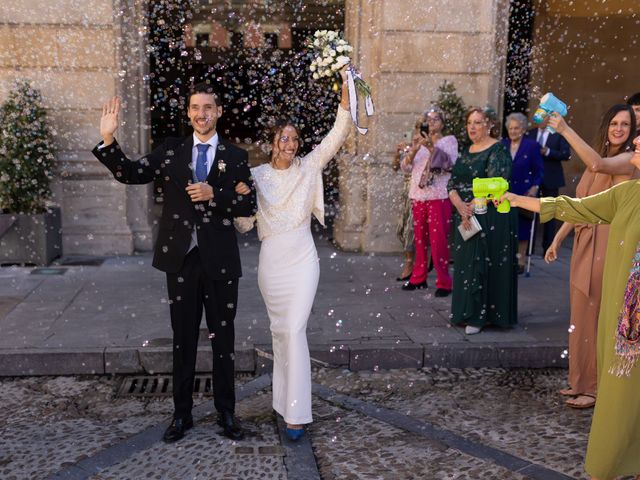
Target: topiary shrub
(26, 152)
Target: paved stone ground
(114, 318)
(458, 424)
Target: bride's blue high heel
(294, 434)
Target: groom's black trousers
(189, 291)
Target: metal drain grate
(162, 385)
(159, 386)
(271, 450)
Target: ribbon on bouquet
(352, 76)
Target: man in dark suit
(554, 149)
(196, 244)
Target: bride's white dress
(288, 268)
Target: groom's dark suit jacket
(170, 163)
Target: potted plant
(30, 227)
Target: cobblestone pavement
(49, 424)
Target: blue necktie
(201, 162)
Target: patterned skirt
(404, 230)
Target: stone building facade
(409, 52)
(80, 52)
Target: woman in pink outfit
(430, 161)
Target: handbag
(439, 162)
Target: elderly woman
(613, 440)
(526, 174)
(485, 281)
(429, 161)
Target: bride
(289, 190)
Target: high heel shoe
(294, 434)
(442, 292)
(414, 286)
(403, 279)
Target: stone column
(133, 77)
(405, 50)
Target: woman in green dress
(485, 281)
(614, 440)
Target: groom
(196, 245)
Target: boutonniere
(222, 167)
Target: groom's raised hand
(109, 120)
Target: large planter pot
(31, 239)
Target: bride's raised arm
(326, 150)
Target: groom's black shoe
(230, 426)
(177, 428)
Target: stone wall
(74, 52)
(81, 52)
(406, 52)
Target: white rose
(316, 76)
(313, 67)
(332, 52)
(318, 60)
(317, 34)
(339, 48)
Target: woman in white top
(289, 190)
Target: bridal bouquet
(331, 53)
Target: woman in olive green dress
(485, 281)
(614, 440)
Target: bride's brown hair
(276, 130)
